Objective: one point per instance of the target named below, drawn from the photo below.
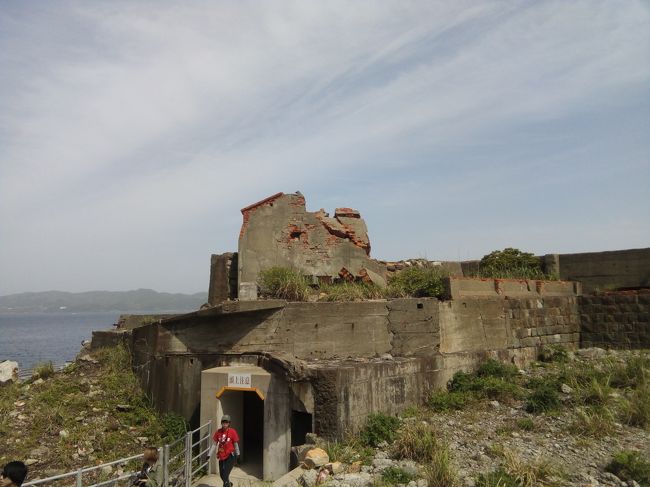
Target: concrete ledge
(462, 287)
(290, 479)
(109, 338)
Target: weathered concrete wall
(616, 320)
(223, 278)
(604, 270)
(129, 322)
(462, 287)
(346, 393)
(109, 338)
(278, 231)
(510, 329)
(303, 330)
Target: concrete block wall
(346, 393)
(603, 270)
(618, 320)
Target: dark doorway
(253, 434)
(300, 426)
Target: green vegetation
(379, 428)
(396, 475)
(351, 291)
(349, 451)
(94, 406)
(416, 441)
(516, 472)
(554, 353)
(630, 465)
(418, 282)
(44, 370)
(492, 380)
(283, 283)
(543, 398)
(511, 263)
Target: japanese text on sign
(239, 380)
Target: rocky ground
(95, 412)
(558, 448)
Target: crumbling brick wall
(279, 231)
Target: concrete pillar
(277, 429)
(552, 264)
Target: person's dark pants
(225, 467)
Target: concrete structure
(279, 231)
(323, 367)
(284, 369)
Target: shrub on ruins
(379, 428)
(418, 282)
(630, 465)
(440, 400)
(283, 283)
(510, 263)
(492, 380)
(350, 291)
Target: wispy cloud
(132, 132)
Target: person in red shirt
(226, 441)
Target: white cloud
(122, 119)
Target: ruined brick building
(282, 369)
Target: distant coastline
(136, 301)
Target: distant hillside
(141, 300)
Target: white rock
(566, 389)
(107, 470)
(8, 371)
(64, 434)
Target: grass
(44, 370)
(630, 465)
(350, 291)
(595, 422)
(418, 282)
(379, 428)
(492, 380)
(416, 441)
(518, 472)
(396, 475)
(82, 401)
(349, 451)
(283, 283)
(511, 263)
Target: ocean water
(33, 338)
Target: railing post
(188, 459)
(208, 444)
(79, 478)
(166, 466)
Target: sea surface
(33, 338)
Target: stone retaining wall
(616, 320)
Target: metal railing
(182, 460)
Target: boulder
(316, 457)
(8, 371)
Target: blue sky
(131, 133)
